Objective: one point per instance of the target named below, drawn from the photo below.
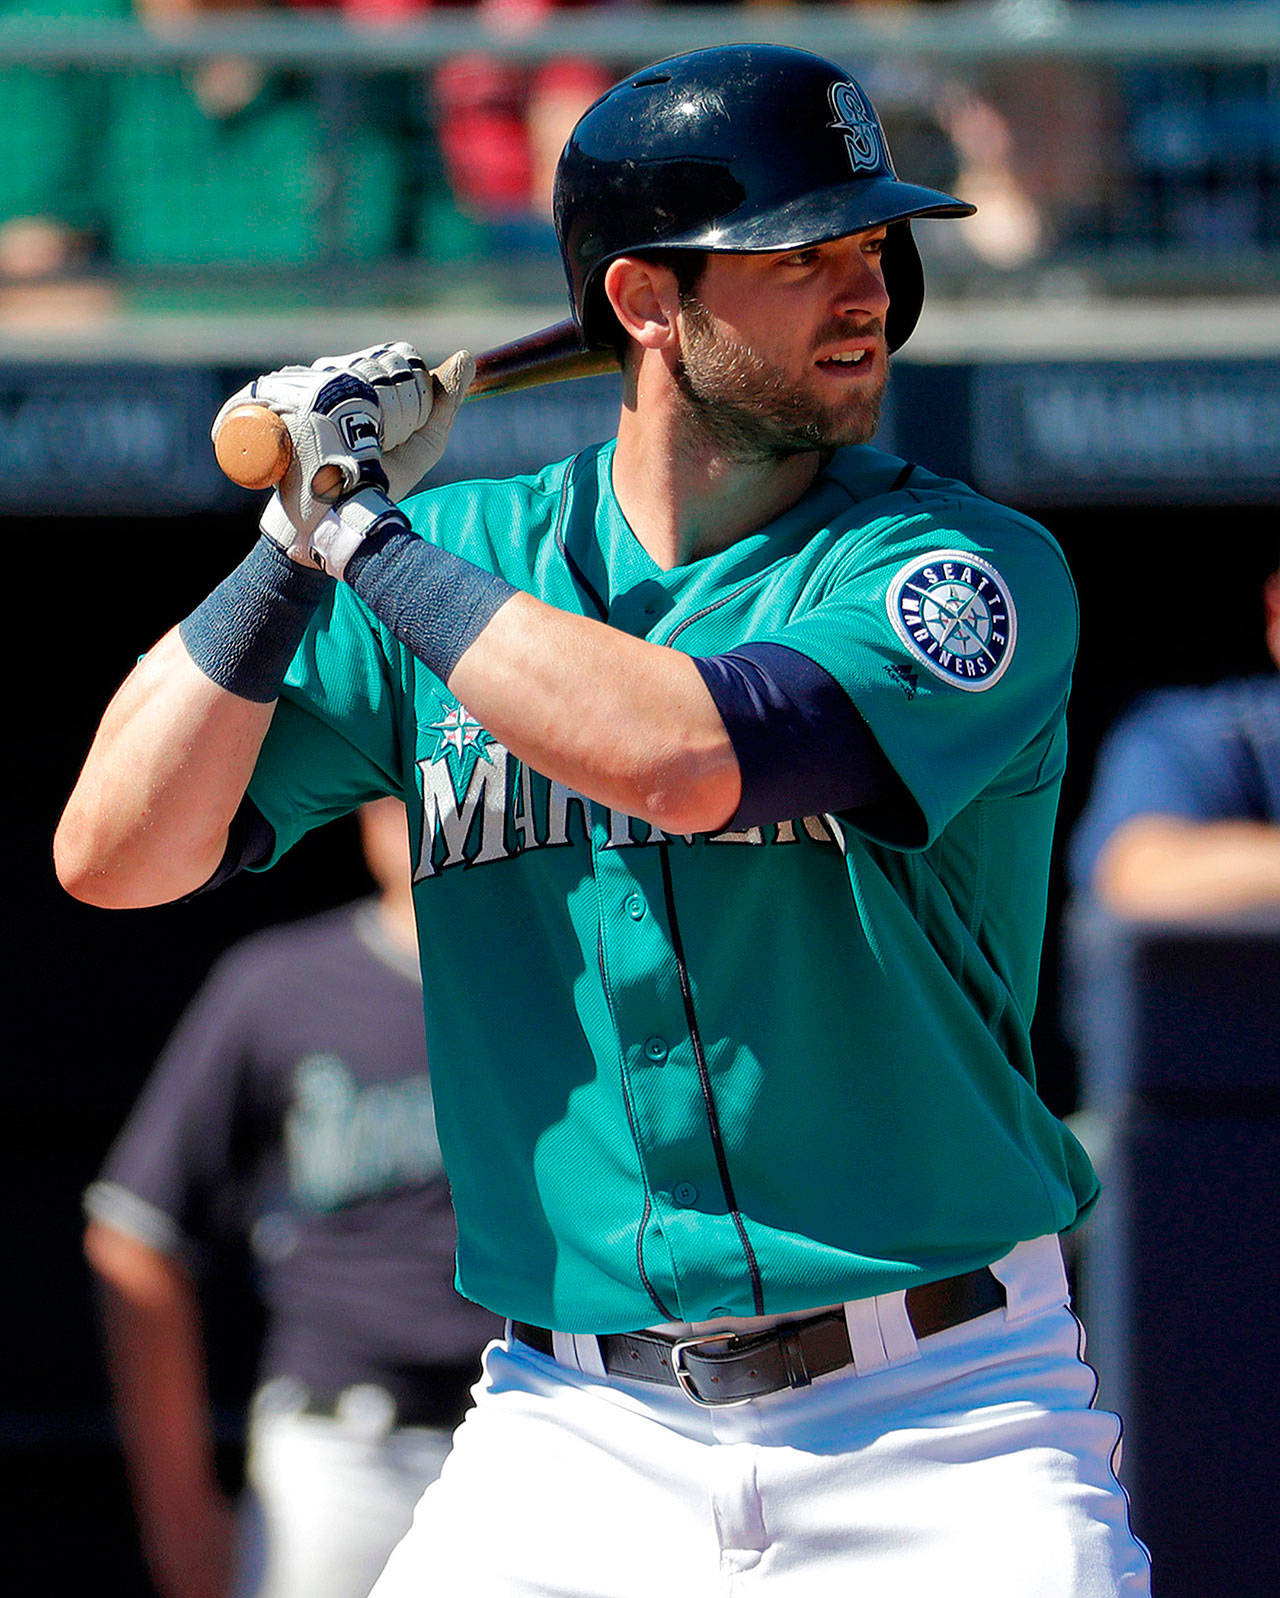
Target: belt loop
(1033, 1276)
(896, 1330)
(587, 1354)
(564, 1350)
(864, 1335)
(793, 1359)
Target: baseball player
(732, 747)
(290, 1117)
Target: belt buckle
(685, 1381)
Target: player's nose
(859, 288)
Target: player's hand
(409, 462)
(335, 425)
(424, 402)
(418, 405)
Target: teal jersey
(744, 1073)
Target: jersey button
(636, 907)
(684, 1194)
(655, 1050)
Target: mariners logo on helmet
(863, 137)
(954, 612)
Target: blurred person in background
(304, 1127)
(1184, 816)
(500, 125)
(225, 167)
(50, 214)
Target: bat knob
(253, 446)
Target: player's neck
(684, 500)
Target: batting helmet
(737, 148)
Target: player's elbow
(81, 870)
(102, 892)
(688, 795)
(135, 1270)
(76, 863)
(97, 873)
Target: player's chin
(853, 417)
(856, 422)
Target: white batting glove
(417, 412)
(408, 462)
(418, 409)
(334, 422)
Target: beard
(753, 410)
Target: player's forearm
(155, 1349)
(1160, 867)
(147, 820)
(158, 1377)
(628, 723)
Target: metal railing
(1234, 32)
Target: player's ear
(645, 297)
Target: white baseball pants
(970, 1463)
(326, 1505)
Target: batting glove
(418, 409)
(334, 421)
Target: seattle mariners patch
(954, 612)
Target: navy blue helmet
(738, 148)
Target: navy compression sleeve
(245, 634)
(250, 840)
(801, 746)
(436, 603)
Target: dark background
(1169, 594)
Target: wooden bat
(254, 449)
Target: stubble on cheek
(751, 408)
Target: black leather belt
(728, 1368)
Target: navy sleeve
(801, 746)
(251, 841)
(167, 1177)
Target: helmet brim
(818, 217)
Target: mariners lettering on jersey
(344, 1141)
(954, 612)
(479, 805)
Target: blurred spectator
(226, 166)
(502, 128)
(291, 1111)
(1184, 816)
(50, 225)
(500, 125)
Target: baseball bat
(254, 449)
